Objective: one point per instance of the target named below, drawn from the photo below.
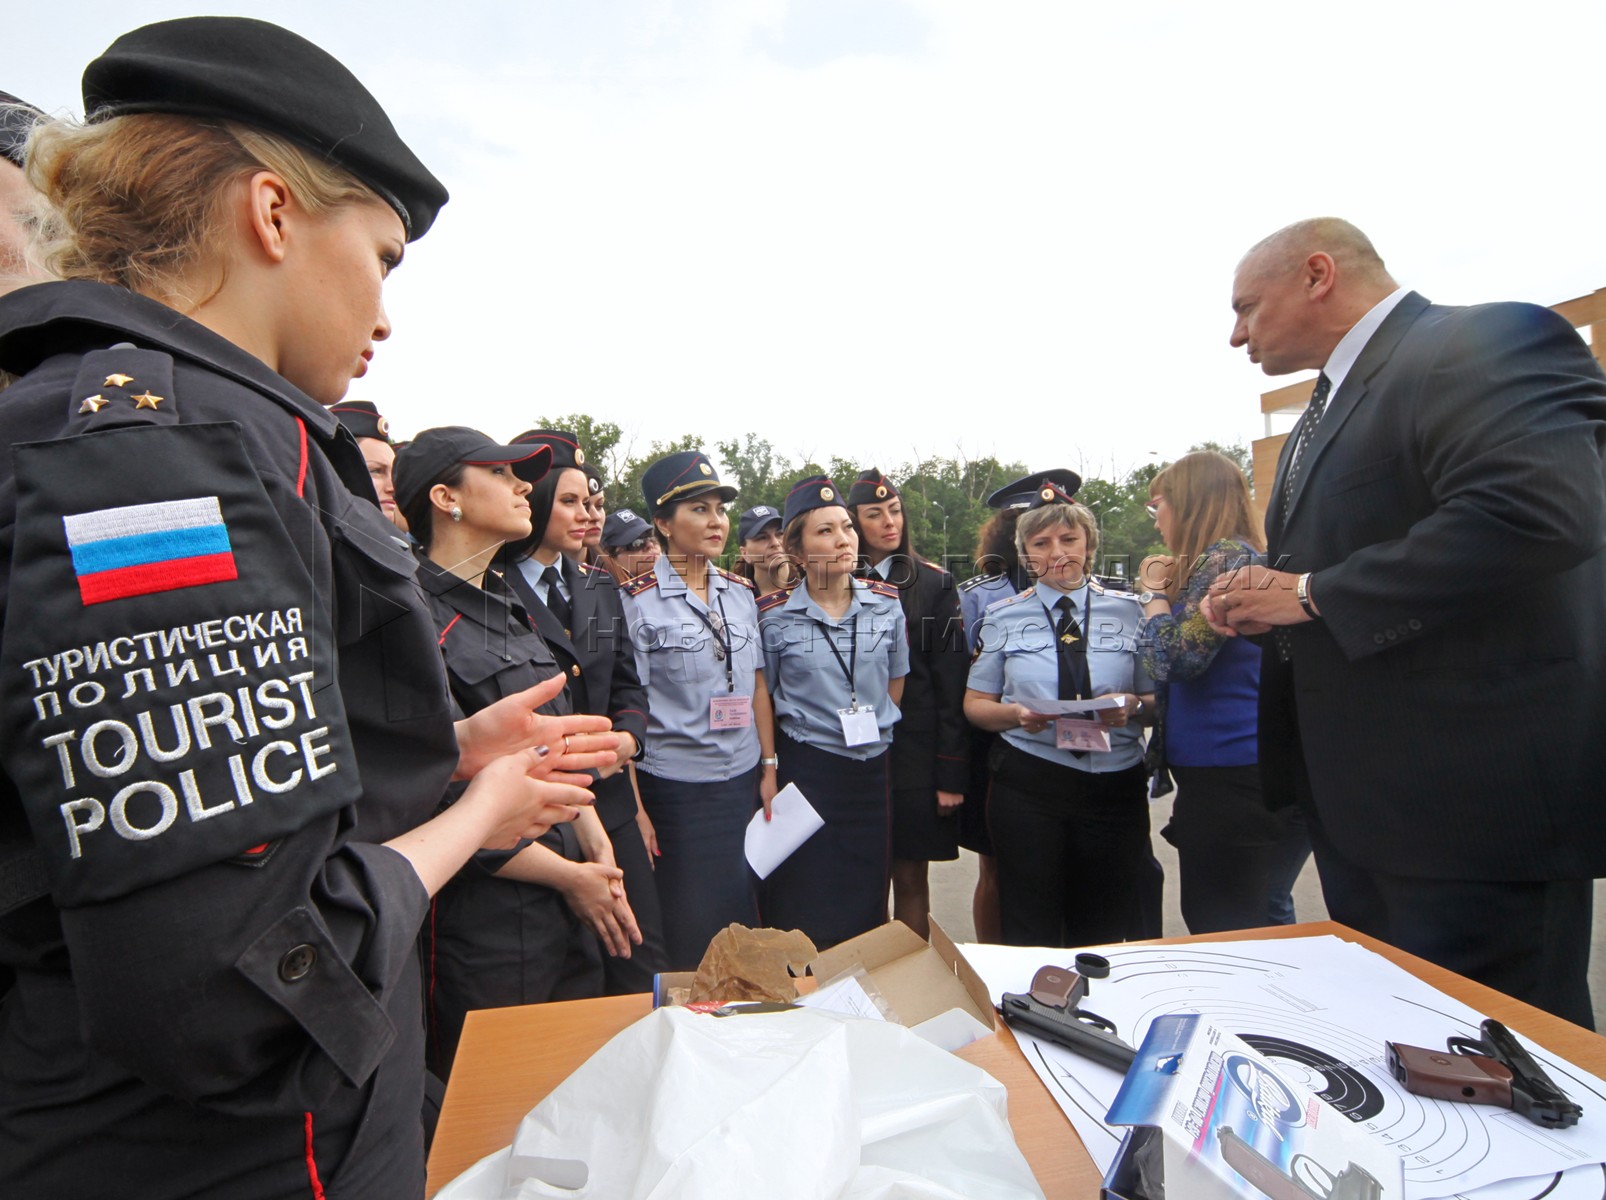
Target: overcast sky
(888, 228)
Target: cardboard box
(920, 980)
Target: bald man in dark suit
(1434, 618)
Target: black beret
(871, 487)
(254, 72)
(363, 419)
(817, 491)
(17, 118)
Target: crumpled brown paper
(752, 964)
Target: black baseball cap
(621, 527)
(256, 73)
(755, 520)
(421, 463)
(1019, 493)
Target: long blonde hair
(1209, 501)
(139, 200)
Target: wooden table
(510, 1058)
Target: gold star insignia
(93, 404)
(146, 400)
(118, 381)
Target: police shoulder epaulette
(601, 574)
(882, 588)
(774, 599)
(976, 581)
(1026, 595)
(1104, 589)
(735, 578)
(123, 386)
(634, 587)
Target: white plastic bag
(796, 1105)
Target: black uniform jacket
(220, 693)
(490, 941)
(1451, 699)
(597, 657)
(931, 743)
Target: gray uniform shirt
(809, 683)
(685, 664)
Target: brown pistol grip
(1443, 1075)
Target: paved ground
(952, 885)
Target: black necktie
(556, 604)
(1072, 646)
(1307, 430)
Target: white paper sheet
(1050, 707)
(770, 843)
(845, 996)
(1320, 1007)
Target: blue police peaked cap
(255, 73)
(817, 491)
(680, 477)
(1018, 493)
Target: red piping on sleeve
(312, 1163)
(301, 487)
(448, 628)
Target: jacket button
(1379, 638)
(575, 670)
(297, 963)
(1414, 624)
(1392, 634)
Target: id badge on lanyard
(859, 726)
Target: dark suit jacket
(597, 657)
(931, 741)
(1451, 703)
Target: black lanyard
(723, 641)
(850, 664)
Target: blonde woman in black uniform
(230, 799)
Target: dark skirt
(1226, 840)
(703, 880)
(834, 886)
(973, 831)
(920, 831)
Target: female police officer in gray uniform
(1067, 810)
(225, 724)
(695, 629)
(835, 652)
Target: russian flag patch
(144, 548)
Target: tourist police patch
(186, 711)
